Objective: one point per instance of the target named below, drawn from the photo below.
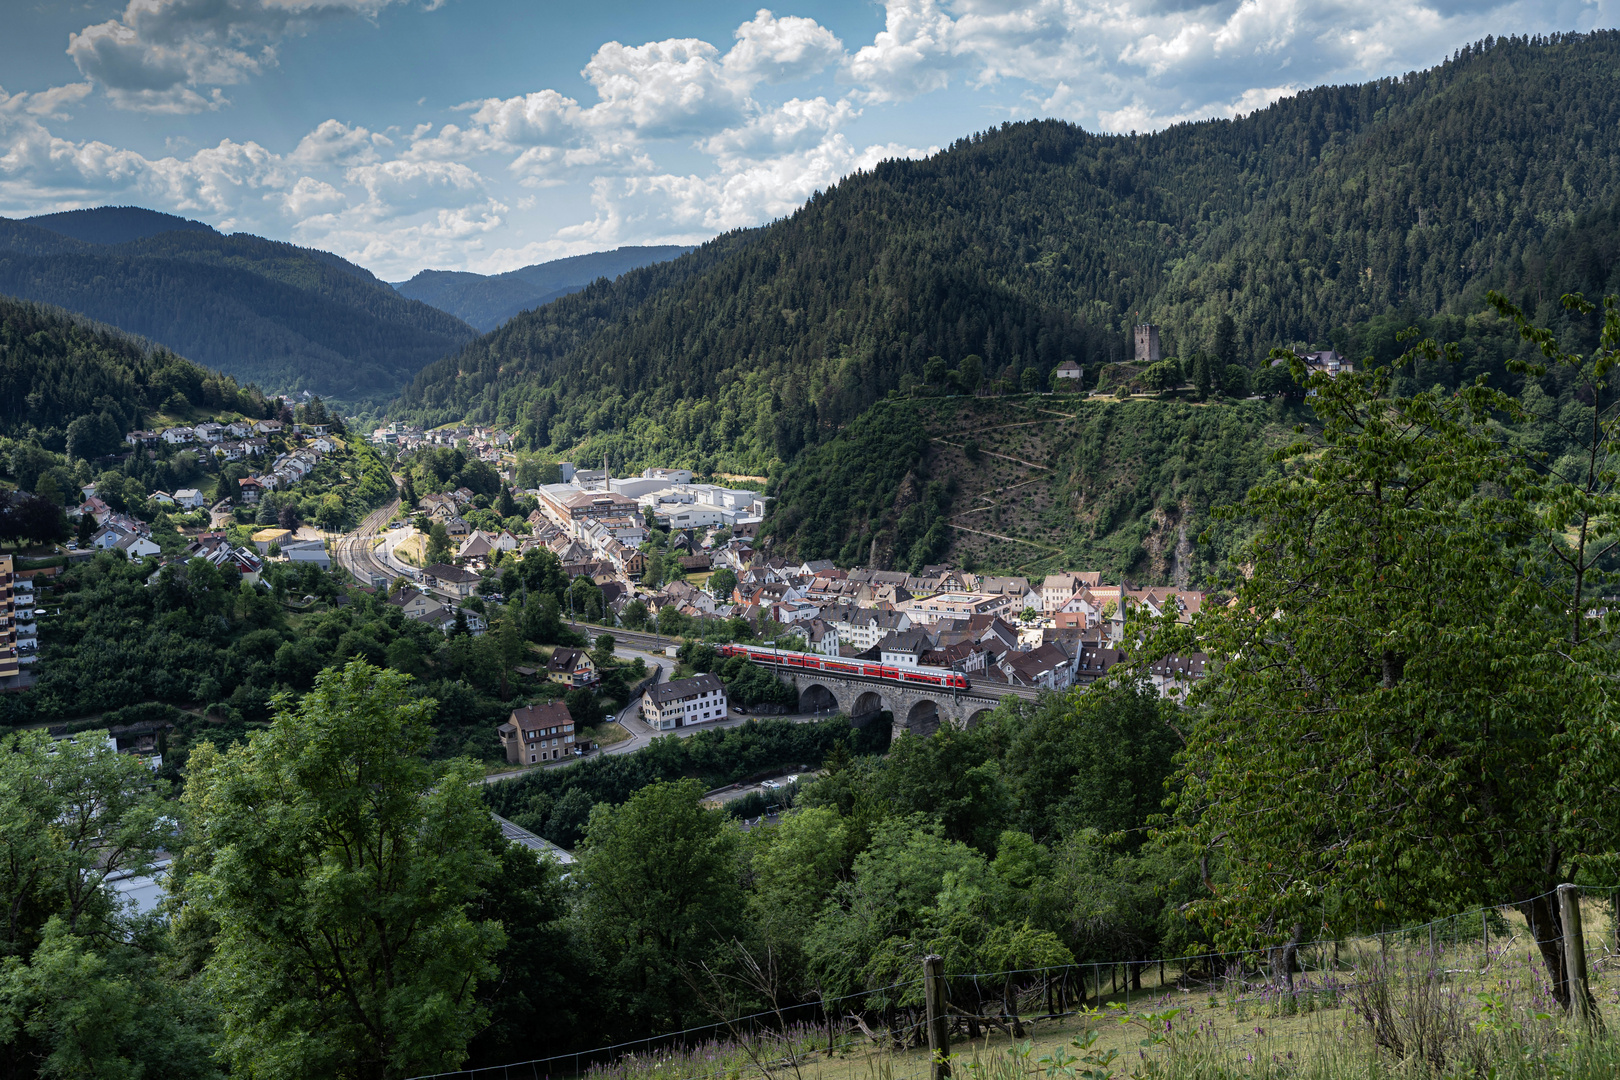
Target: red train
(837, 665)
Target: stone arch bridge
(917, 710)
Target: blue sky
(487, 134)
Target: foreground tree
(660, 891)
(84, 990)
(1412, 714)
(336, 870)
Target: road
(642, 733)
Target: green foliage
(1418, 650)
(661, 892)
(865, 496)
(83, 989)
(69, 385)
(339, 871)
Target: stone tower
(1147, 344)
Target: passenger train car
(837, 665)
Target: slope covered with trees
(285, 317)
(1040, 242)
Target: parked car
(770, 785)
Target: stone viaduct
(918, 710)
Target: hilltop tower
(1147, 344)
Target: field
(1474, 1003)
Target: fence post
(1569, 905)
(939, 1021)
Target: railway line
(353, 550)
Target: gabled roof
(567, 659)
(546, 714)
(444, 572)
(684, 688)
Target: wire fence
(1465, 950)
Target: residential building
(667, 706)
(268, 427)
(10, 662)
(537, 733)
(1094, 663)
(904, 649)
(1047, 667)
(1174, 675)
(190, 498)
(177, 436)
(571, 667)
(452, 580)
(209, 432)
(1070, 370)
(931, 609)
(135, 546)
(414, 603)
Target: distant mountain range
(487, 301)
(287, 318)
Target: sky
(484, 135)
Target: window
(533, 759)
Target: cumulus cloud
(336, 143)
(1146, 64)
(688, 208)
(781, 50)
(174, 55)
(793, 126)
(52, 104)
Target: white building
(667, 706)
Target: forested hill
(284, 317)
(70, 385)
(488, 300)
(1040, 242)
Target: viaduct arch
(917, 710)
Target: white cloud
(781, 50)
(792, 126)
(663, 89)
(336, 143)
(50, 104)
(174, 55)
(673, 208)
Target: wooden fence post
(1569, 905)
(939, 1021)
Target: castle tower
(1147, 344)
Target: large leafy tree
(1412, 713)
(83, 987)
(660, 891)
(338, 871)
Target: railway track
(354, 549)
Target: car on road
(770, 785)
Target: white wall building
(667, 706)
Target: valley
(1165, 572)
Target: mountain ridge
(487, 301)
(1038, 242)
(281, 316)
